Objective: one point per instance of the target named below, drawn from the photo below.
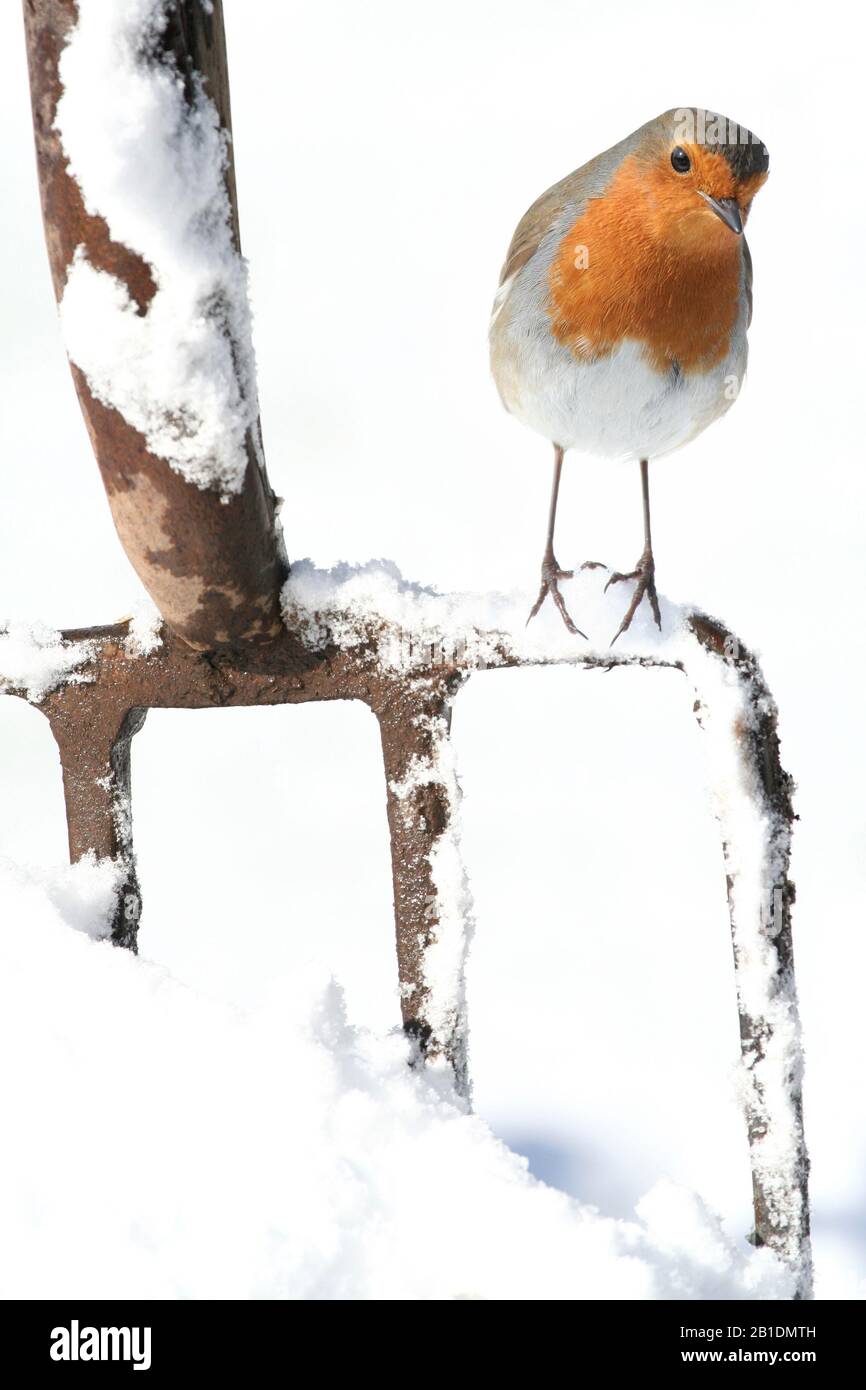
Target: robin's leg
(645, 570)
(550, 571)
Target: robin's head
(699, 173)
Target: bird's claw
(644, 574)
(550, 577)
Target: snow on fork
(181, 370)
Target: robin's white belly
(619, 406)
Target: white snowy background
(218, 1118)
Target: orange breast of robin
(647, 261)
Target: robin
(619, 328)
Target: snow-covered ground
(177, 1146)
(204, 1121)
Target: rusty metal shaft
(213, 566)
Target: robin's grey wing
(555, 209)
(562, 204)
(747, 279)
(546, 221)
(533, 228)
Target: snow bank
(182, 373)
(34, 658)
(83, 895)
(160, 1145)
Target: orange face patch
(651, 261)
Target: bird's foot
(550, 577)
(644, 572)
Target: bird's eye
(680, 160)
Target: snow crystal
(339, 1160)
(757, 841)
(346, 603)
(444, 956)
(145, 629)
(182, 373)
(34, 658)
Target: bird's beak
(728, 209)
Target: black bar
(229, 1339)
